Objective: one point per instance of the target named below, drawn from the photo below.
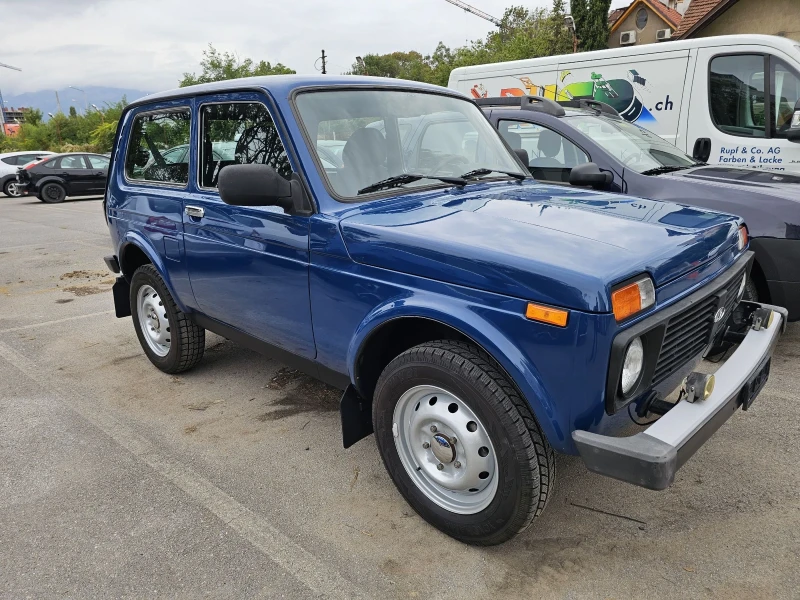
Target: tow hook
(761, 318)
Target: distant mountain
(46, 99)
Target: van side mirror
(254, 185)
(589, 174)
(794, 129)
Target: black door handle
(702, 149)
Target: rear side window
(10, 160)
(71, 162)
(158, 147)
(238, 133)
(736, 95)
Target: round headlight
(632, 367)
(742, 285)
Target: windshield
(387, 134)
(635, 147)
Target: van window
(238, 133)
(785, 84)
(736, 95)
(551, 155)
(158, 147)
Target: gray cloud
(149, 44)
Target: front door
(742, 104)
(248, 266)
(99, 167)
(74, 171)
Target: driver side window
(551, 155)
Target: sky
(149, 44)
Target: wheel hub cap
(153, 320)
(445, 449)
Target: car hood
(757, 181)
(549, 244)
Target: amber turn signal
(633, 298)
(547, 314)
(743, 237)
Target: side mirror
(254, 185)
(589, 174)
(794, 129)
(522, 154)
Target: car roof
(283, 85)
(22, 152)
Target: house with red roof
(644, 22)
(726, 17)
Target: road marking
(57, 321)
(252, 527)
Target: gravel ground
(117, 480)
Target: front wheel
(170, 340)
(461, 445)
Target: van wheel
(170, 340)
(52, 193)
(461, 445)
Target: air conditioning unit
(627, 38)
(662, 35)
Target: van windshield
(400, 138)
(635, 147)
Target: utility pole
(324, 72)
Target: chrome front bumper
(651, 458)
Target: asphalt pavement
(230, 481)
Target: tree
(218, 66)
(591, 23)
(523, 33)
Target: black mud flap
(122, 297)
(356, 416)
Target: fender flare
(520, 370)
(50, 179)
(132, 238)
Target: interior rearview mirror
(589, 174)
(254, 185)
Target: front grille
(689, 332)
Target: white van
(707, 96)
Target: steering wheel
(632, 158)
(455, 160)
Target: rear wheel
(170, 340)
(11, 189)
(461, 445)
(52, 193)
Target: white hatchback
(10, 162)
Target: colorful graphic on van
(619, 93)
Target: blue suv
(477, 321)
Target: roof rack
(535, 103)
(599, 107)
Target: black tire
(750, 290)
(525, 460)
(6, 189)
(187, 341)
(52, 193)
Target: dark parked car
(477, 321)
(586, 143)
(62, 175)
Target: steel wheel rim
(52, 192)
(424, 434)
(13, 190)
(153, 320)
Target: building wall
(775, 17)
(646, 35)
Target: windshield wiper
(398, 180)
(474, 174)
(665, 169)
